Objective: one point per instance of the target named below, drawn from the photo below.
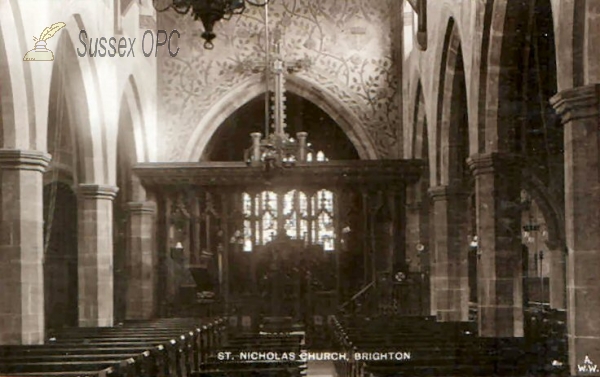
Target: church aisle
(321, 369)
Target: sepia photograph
(300, 188)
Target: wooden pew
(252, 342)
(433, 348)
(446, 349)
(153, 348)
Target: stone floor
(321, 369)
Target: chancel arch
(306, 215)
(254, 87)
(232, 138)
(279, 229)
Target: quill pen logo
(40, 52)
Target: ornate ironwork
(208, 11)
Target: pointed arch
(253, 87)
(502, 101)
(61, 135)
(131, 144)
(452, 123)
(419, 140)
(84, 105)
(17, 112)
(550, 205)
(415, 104)
(131, 99)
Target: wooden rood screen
(229, 228)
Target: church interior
(326, 188)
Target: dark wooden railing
(361, 302)
(407, 297)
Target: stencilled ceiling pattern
(344, 44)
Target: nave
(380, 346)
(403, 177)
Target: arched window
(323, 228)
(295, 213)
(298, 215)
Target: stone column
(413, 236)
(141, 253)
(558, 283)
(95, 255)
(417, 226)
(433, 272)
(22, 247)
(450, 216)
(416, 245)
(396, 253)
(579, 109)
(499, 271)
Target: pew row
(164, 347)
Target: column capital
(19, 159)
(141, 207)
(487, 163)
(577, 103)
(95, 191)
(445, 191)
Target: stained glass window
(247, 205)
(300, 217)
(323, 229)
(247, 235)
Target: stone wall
(347, 44)
(424, 67)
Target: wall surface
(347, 44)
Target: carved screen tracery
(297, 214)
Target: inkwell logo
(588, 366)
(40, 52)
